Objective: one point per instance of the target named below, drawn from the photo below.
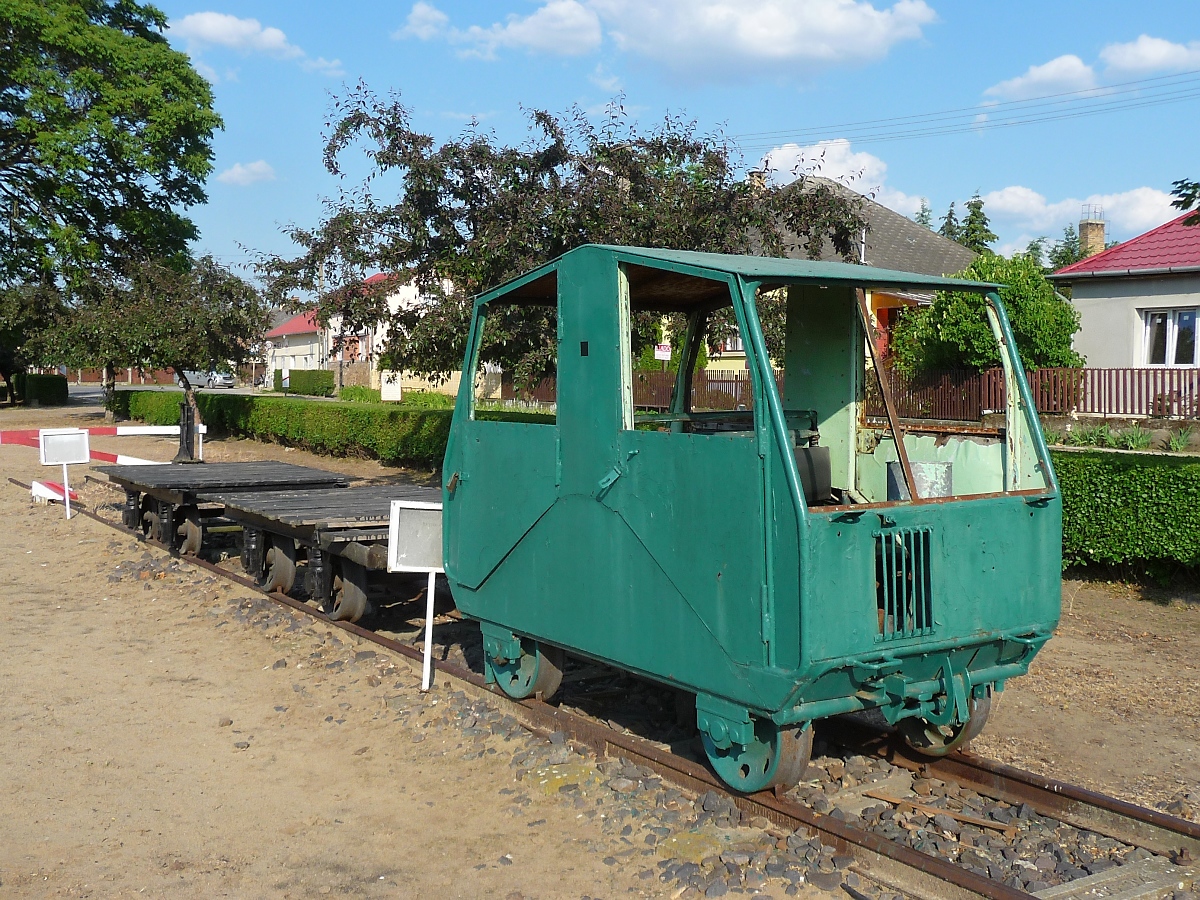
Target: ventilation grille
(903, 586)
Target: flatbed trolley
(166, 503)
(342, 533)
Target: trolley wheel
(778, 756)
(281, 565)
(350, 593)
(938, 740)
(539, 670)
(192, 530)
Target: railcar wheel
(281, 565)
(777, 756)
(193, 536)
(539, 670)
(938, 740)
(350, 593)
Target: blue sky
(793, 81)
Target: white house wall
(1112, 328)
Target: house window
(1171, 337)
(732, 345)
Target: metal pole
(886, 391)
(427, 663)
(66, 492)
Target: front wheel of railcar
(777, 756)
(539, 670)
(938, 740)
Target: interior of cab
(844, 457)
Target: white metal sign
(415, 545)
(64, 447)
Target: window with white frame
(1171, 337)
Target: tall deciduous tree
(104, 134)
(976, 232)
(953, 333)
(469, 214)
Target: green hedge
(389, 432)
(310, 382)
(1118, 508)
(1121, 508)
(47, 390)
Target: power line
(1067, 105)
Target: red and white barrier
(28, 437)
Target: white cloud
(1066, 73)
(204, 30)
(700, 37)
(604, 79)
(1151, 54)
(424, 22)
(331, 67)
(213, 29)
(560, 27)
(705, 37)
(861, 171)
(1128, 213)
(244, 174)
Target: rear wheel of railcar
(778, 755)
(539, 670)
(938, 740)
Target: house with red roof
(1138, 301)
(295, 343)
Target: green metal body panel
(693, 559)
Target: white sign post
(415, 545)
(64, 447)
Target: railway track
(1174, 844)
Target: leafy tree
(1066, 251)
(924, 215)
(26, 312)
(953, 333)
(469, 214)
(975, 232)
(1187, 196)
(950, 227)
(160, 316)
(1036, 251)
(104, 131)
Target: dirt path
(120, 778)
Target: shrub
(1135, 438)
(310, 382)
(354, 393)
(427, 400)
(1122, 508)
(48, 390)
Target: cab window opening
(516, 353)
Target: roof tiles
(1170, 246)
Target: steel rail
(1127, 822)
(890, 864)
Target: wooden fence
(951, 395)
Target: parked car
(210, 379)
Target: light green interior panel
(977, 463)
(823, 370)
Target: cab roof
(539, 284)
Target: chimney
(1091, 230)
(757, 179)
